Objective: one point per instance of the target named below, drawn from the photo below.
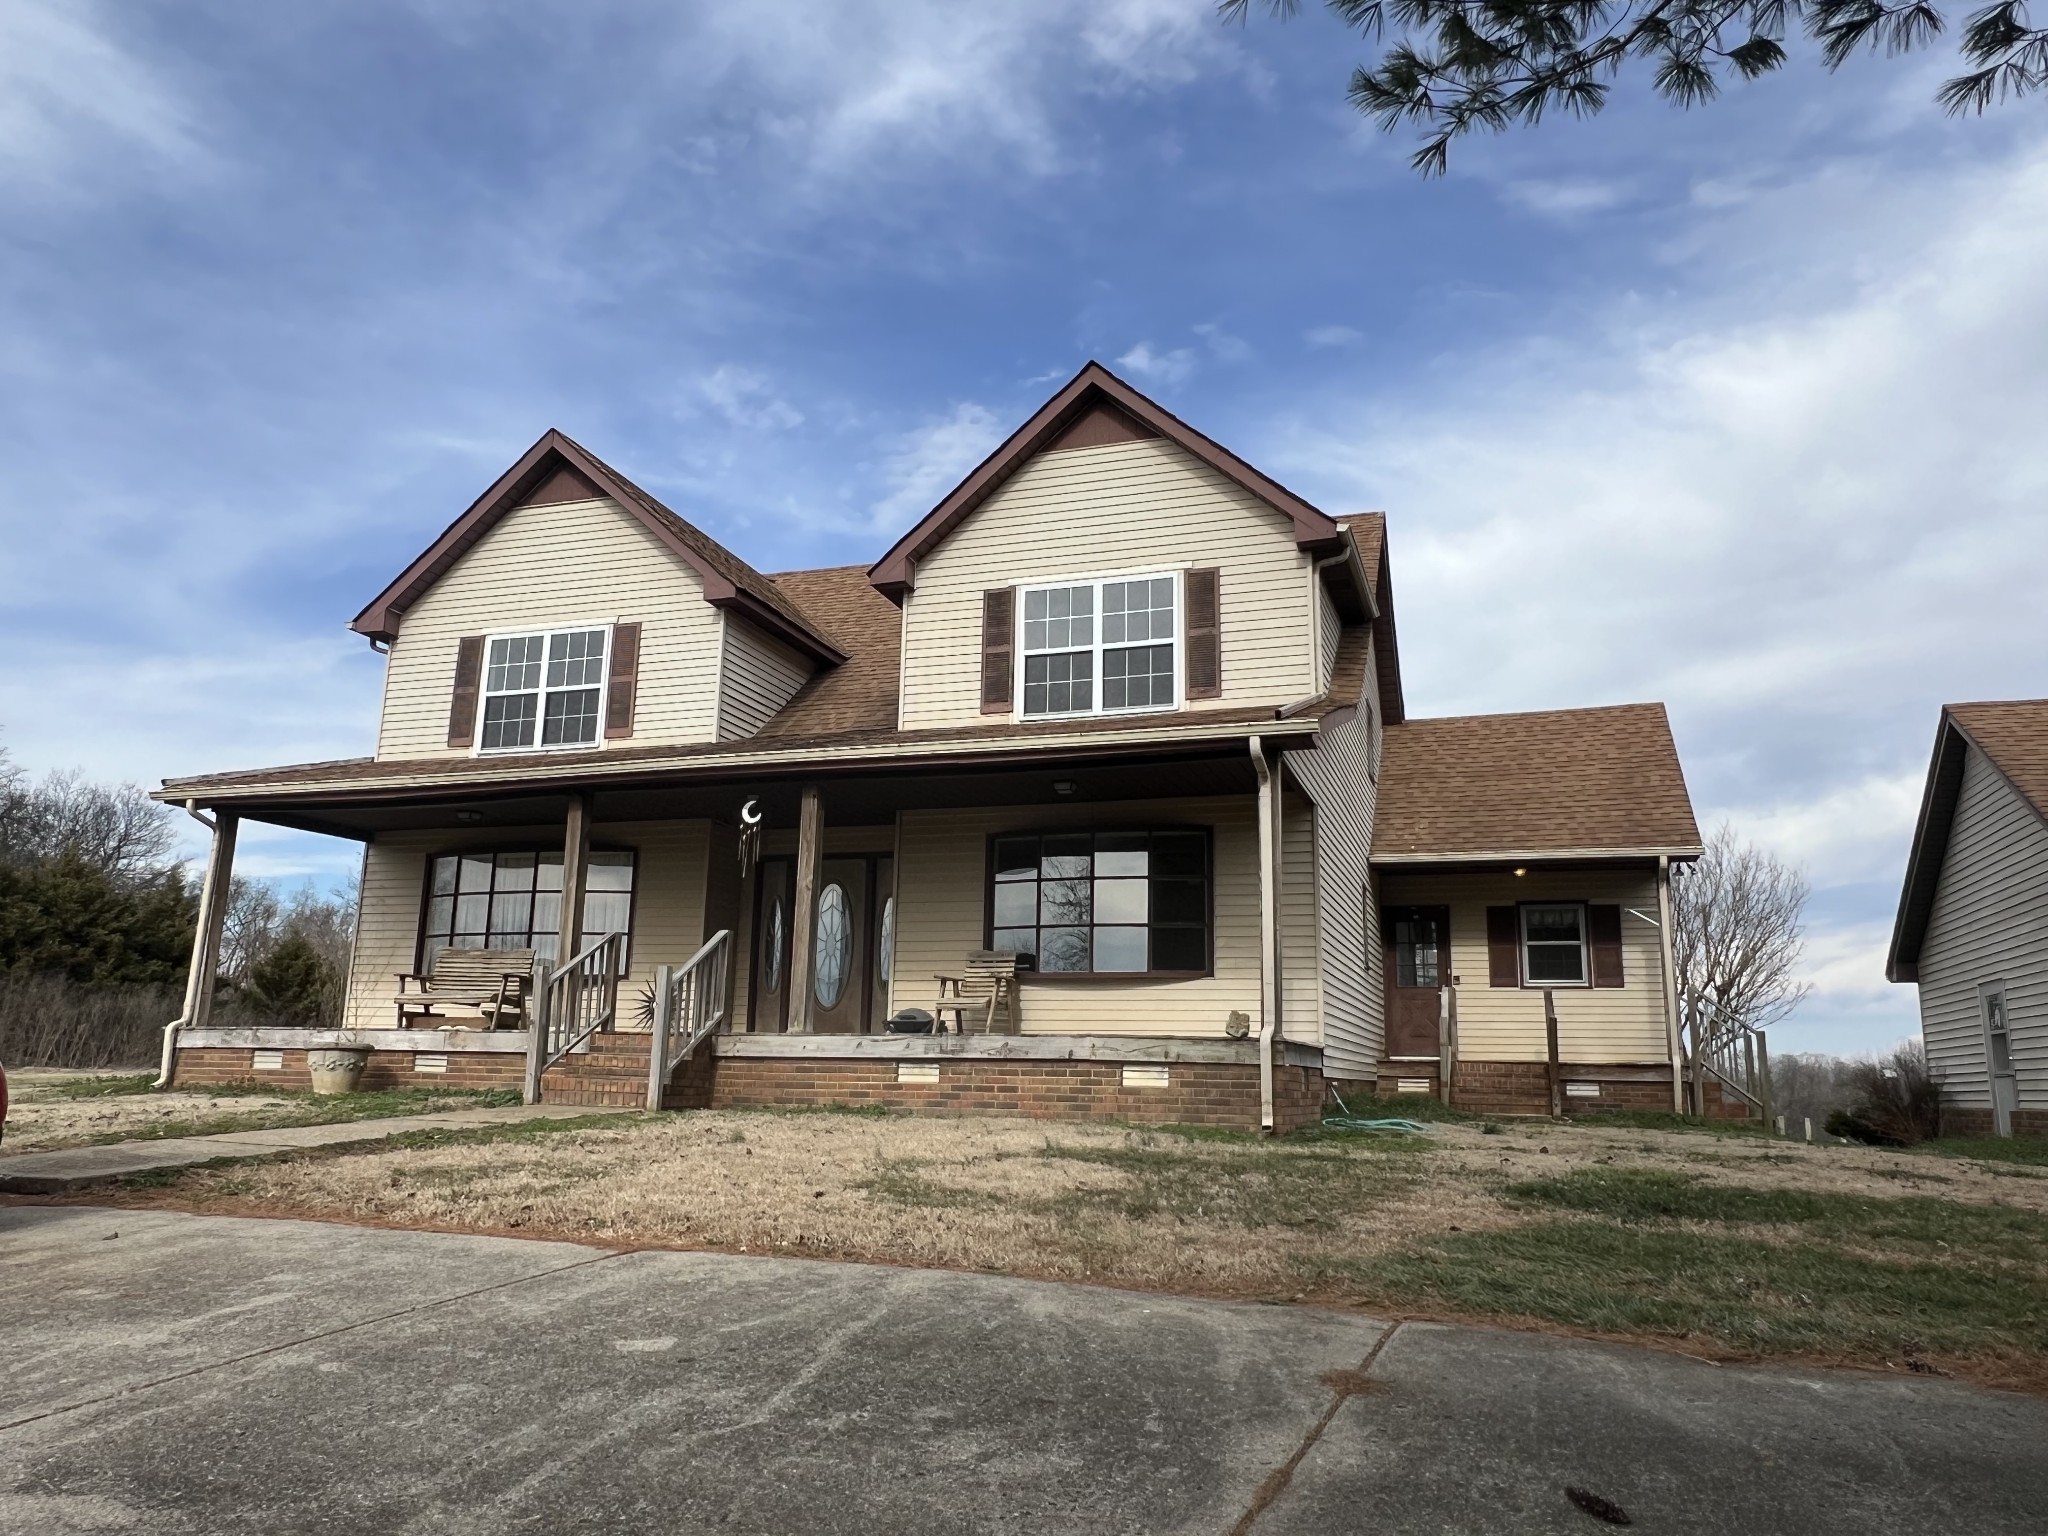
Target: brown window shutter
(1603, 927)
(469, 674)
(624, 682)
(1205, 635)
(1503, 947)
(998, 649)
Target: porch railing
(689, 1006)
(572, 1004)
(1740, 1060)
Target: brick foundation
(1959, 1121)
(1523, 1087)
(1197, 1093)
(219, 1066)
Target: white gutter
(1269, 930)
(196, 975)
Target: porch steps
(612, 1074)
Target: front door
(1418, 954)
(840, 950)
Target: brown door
(1418, 945)
(841, 948)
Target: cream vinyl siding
(1087, 512)
(1601, 1025)
(668, 903)
(941, 886)
(757, 677)
(1353, 1004)
(543, 567)
(1329, 630)
(1301, 992)
(1989, 923)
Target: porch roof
(1558, 784)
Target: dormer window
(544, 689)
(1100, 647)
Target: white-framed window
(1554, 944)
(1100, 646)
(544, 689)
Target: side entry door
(1418, 959)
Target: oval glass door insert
(835, 945)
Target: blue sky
(1739, 409)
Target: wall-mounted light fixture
(1064, 786)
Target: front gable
(1099, 493)
(563, 544)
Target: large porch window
(513, 900)
(1124, 903)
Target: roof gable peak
(1092, 409)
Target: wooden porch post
(575, 861)
(213, 917)
(1670, 983)
(803, 915)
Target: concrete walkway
(71, 1168)
(170, 1373)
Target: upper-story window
(1095, 647)
(543, 689)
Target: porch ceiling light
(1520, 871)
(473, 816)
(1064, 786)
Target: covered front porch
(746, 937)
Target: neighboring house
(1972, 928)
(1121, 705)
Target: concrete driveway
(170, 1373)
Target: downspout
(198, 974)
(1670, 982)
(1269, 931)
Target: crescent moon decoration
(751, 819)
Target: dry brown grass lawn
(1724, 1245)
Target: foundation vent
(266, 1061)
(1413, 1085)
(1582, 1090)
(917, 1072)
(1148, 1077)
(426, 1062)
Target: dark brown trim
(1094, 386)
(1386, 646)
(1930, 848)
(462, 703)
(538, 470)
(622, 685)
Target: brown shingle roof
(2013, 733)
(848, 709)
(1553, 782)
(860, 693)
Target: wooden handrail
(689, 1006)
(574, 1003)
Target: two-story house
(1114, 738)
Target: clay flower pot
(337, 1068)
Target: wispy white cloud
(1566, 199)
(929, 461)
(1159, 367)
(747, 399)
(1332, 336)
(77, 104)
